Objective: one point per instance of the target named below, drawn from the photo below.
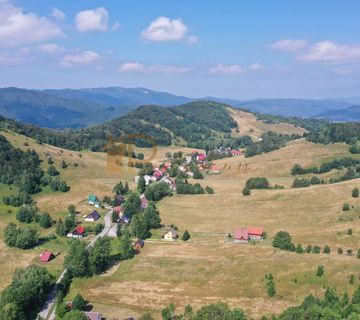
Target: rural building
(171, 234)
(46, 256)
(236, 153)
(157, 174)
(93, 200)
(188, 159)
(138, 244)
(118, 210)
(78, 233)
(93, 315)
(249, 233)
(201, 157)
(93, 216)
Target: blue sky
(237, 49)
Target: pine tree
(141, 184)
(185, 236)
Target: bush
(320, 271)
(308, 248)
(349, 232)
(355, 193)
(315, 180)
(352, 279)
(246, 191)
(299, 249)
(326, 249)
(78, 302)
(340, 251)
(316, 249)
(301, 183)
(258, 183)
(346, 207)
(349, 252)
(282, 240)
(209, 190)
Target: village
(172, 173)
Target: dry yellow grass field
(207, 270)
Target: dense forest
(22, 169)
(195, 124)
(336, 132)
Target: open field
(206, 269)
(254, 128)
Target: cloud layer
(289, 45)
(80, 59)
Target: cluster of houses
(159, 174)
(244, 235)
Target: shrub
(246, 191)
(258, 183)
(209, 190)
(346, 207)
(320, 271)
(299, 249)
(355, 193)
(326, 249)
(340, 251)
(349, 252)
(308, 248)
(358, 254)
(315, 180)
(316, 249)
(349, 232)
(301, 183)
(45, 220)
(352, 279)
(79, 302)
(282, 240)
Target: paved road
(48, 310)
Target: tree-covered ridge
(196, 123)
(20, 168)
(208, 113)
(337, 132)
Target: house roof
(241, 234)
(93, 315)
(215, 168)
(158, 174)
(257, 231)
(201, 157)
(79, 230)
(139, 242)
(92, 197)
(46, 256)
(118, 209)
(94, 215)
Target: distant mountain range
(341, 115)
(77, 108)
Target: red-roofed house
(158, 174)
(118, 209)
(241, 234)
(201, 157)
(46, 256)
(78, 233)
(249, 233)
(215, 168)
(235, 153)
(255, 233)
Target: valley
(205, 269)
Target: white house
(171, 234)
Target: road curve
(48, 310)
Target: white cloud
(328, 51)
(13, 57)
(136, 67)
(289, 45)
(164, 29)
(18, 27)
(92, 20)
(51, 48)
(80, 59)
(255, 67)
(58, 14)
(226, 70)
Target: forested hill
(193, 124)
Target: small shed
(46, 256)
